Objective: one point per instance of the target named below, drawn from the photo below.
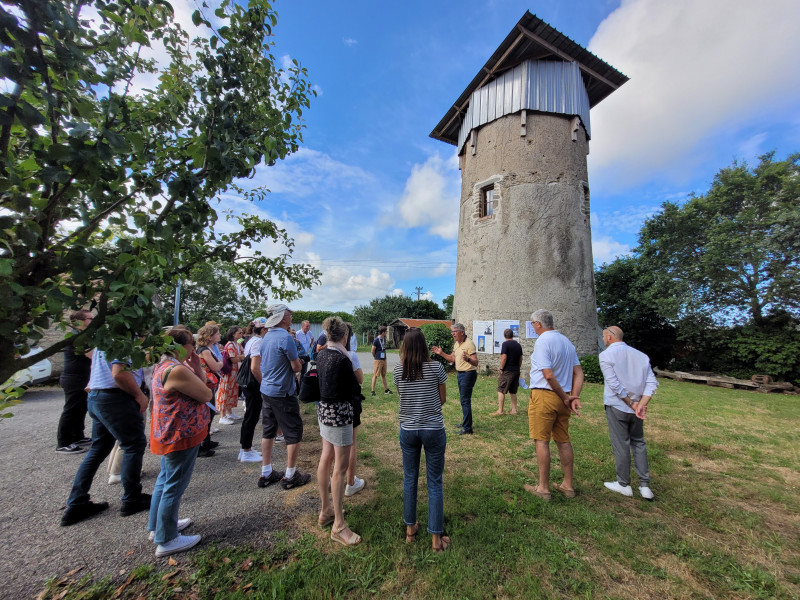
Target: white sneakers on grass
(616, 486)
(626, 490)
(249, 456)
(358, 485)
(179, 544)
(182, 524)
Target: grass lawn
(724, 467)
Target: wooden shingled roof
(532, 39)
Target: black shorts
(508, 382)
(283, 413)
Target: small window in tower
(487, 202)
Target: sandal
(412, 537)
(325, 521)
(354, 540)
(543, 495)
(443, 545)
(565, 491)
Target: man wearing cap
(556, 383)
(279, 363)
(629, 384)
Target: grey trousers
(626, 431)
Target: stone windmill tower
(522, 131)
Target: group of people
(556, 381)
(196, 372)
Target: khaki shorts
(380, 367)
(547, 415)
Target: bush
(438, 334)
(591, 369)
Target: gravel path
(223, 499)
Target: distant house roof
(418, 322)
(532, 39)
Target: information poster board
(500, 327)
(483, 336)
(530, 333)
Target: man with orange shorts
(556, 382)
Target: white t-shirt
(553, 351)
(253, 346)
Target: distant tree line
(714, 283)
(382, 311)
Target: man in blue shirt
(280, 408)
(556, 382)
(117, 405)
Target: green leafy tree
(382, 311)
(623, 290)
(438, 334)
(108, 193)
(447, 303)
(209, 294)
(733, 252)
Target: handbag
(227, 365)
(245, 377)
(309, 388)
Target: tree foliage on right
(715, 282)
(382, 311)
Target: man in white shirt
(629, 385)
(556, 383)
(305, 337)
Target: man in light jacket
(629, 385)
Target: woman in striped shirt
(421, 384)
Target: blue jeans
(466, 381)
(115, 416)
(176, 472)
(434, 441)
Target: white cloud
(431, 197)
(309, 172)
(605, 249)
(427, 296)
(342, 288)
(697, 67)
(349, 42)
(396, 292)
(753, 146)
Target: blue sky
(372, 201)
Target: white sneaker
(358, 485)
(236, 417)
(249, 456)
(225, 421)
(179, 544)
(280, 439)
(114, 479)
(182, 524)
(616, 486)
(214, 430)
(646, 492)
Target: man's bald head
(615, 332)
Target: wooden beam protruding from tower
(565, 56)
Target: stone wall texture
(535, 251)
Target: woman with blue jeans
(421, 384)
(178, 426)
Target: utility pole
(419, 290)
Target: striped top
(420, 406)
